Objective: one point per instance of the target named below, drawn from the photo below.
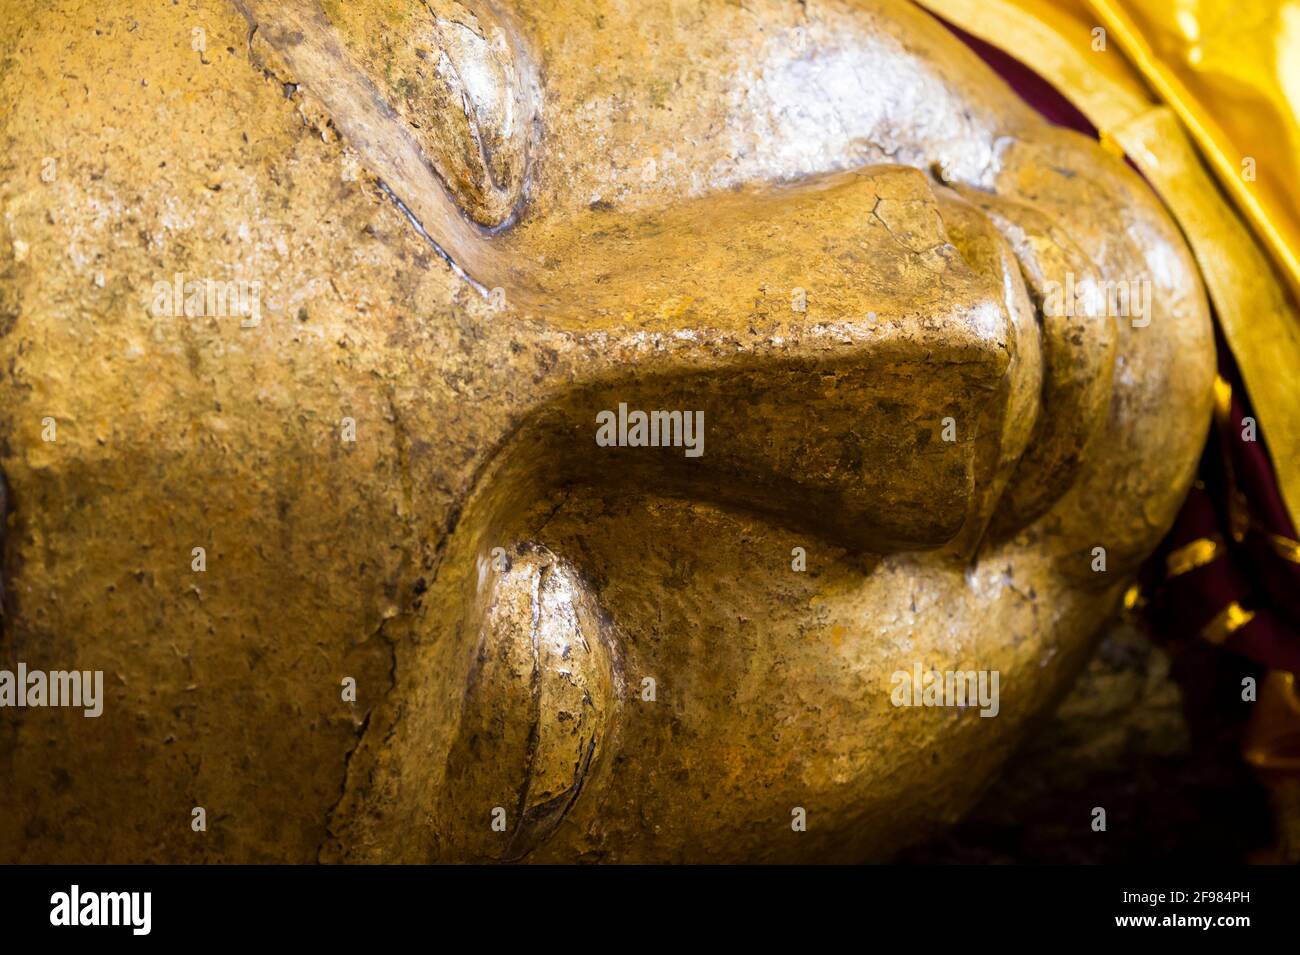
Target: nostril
(856, 449)
(539, 708)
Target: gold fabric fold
(1231, 71)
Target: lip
(1078, 353)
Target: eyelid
(457, 78)
(422, 161)
(481, 144)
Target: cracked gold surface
(668, 175)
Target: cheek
(656, 680)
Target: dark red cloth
(1249, 571)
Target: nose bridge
(842, 363)
(841, 249)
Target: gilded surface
(827, 229)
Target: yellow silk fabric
(1189, 90)
(1232, 72)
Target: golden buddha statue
(559, 431)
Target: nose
(858, 354)
(859, 351)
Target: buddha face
(558, 431)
